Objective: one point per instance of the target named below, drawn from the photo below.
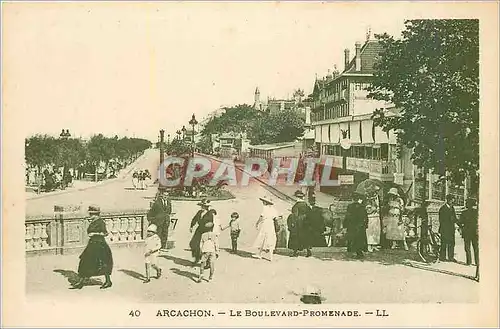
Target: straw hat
(393, 191)
(204, 203)
(94, 210)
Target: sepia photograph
(330, 159)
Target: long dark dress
(97, 258)
(356, 222)
(298, 227)
(201, 219)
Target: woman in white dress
(266, 238)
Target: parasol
(369, 186)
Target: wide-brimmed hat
(94, 209)
(152, 228)
(267, 199)
(299, 194)
(204, 203)
(393, 191)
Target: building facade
(342, 111)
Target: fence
(66, 231)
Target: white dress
(266, 238)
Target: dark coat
(97, 258)
(298, 226)
(468, 223)
(447, 221)
(159, 214)
(317, 227)
(201, 220)
(356, 223)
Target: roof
(275, 146)
(369, 54)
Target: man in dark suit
(468, 224)
(356, 223)
(447, 221)
(159, 215)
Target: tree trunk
(38, 179)
(95, 173)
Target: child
(153, 245)
(234, 225)
(209, 252)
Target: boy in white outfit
(209, 253)
(152, 249)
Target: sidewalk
(80, 185)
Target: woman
(373, 230)
(266, 238)
(202, 217)
(97, 258)
(356, 223)
(394, 227)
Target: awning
(366, 131)
(324, 134)
(392, 137)
(380, 136)
(334, 133)
(317, 134)
(355, 132)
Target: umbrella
(369, 186)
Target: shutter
(324, 134)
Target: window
(458, 194)
(438, 188)
(384, 151)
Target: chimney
(346, 58)
(358, 56)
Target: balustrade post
(69, 234)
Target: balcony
(377, 169)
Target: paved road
(382, 277)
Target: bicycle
(428, 245)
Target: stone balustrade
(66, 230)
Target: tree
(234, 119)
(282, 126)
(431, 75)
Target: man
(159, 214)
(299, 227)
(447, 221)
(316, 225)
(468, 224)
(356, 223)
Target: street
(383, 277)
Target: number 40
(135, 313)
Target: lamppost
(178, 134)
(183, 132)
(162, 149)
(168, 139)
(193, 123)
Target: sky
(134, 68)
